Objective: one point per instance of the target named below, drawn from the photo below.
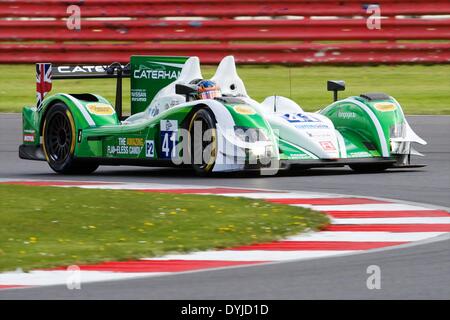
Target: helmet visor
(210, 94)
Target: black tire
(201, 164)
(59, 137)
(369, 168)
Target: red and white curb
(357, 224)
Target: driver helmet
(208, 89)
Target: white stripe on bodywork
(80, 107)
(376, 122)
(227, 153)
(410, 134)
(302, 149)
(176, 65)
(341, 143)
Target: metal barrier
(281, 32)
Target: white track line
(252, 255)
(287, 195)
(365, 207)
(419, 220)
(53, 277)
(138, 186)
(373, 236)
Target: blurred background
(283, 47)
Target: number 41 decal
(168, 139)
(168, 136)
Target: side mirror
(335, 86)
(184, 89)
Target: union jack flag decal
(43, 81)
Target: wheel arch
(81, 117)
(191, 113)
(361, 117)
(44, 113)
(61, 155)
(221, 114)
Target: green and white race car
(180, 119)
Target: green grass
(48, 226)
(420, 89)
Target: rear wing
(46, 72)
(113, 70)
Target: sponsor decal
(244, 109)
(81, 69)
(28, 137)
(385, 106)
(156, 74)
(149, 74)
(138, 95)
(346, 114)
(126, 146)
(149, 148)
(168, 136)
(168, 141)
(311, 126)
(100, 109)
(359, 154)
(319, 134)
(299, 156)
(299, 118)
(169, 125)
(327, 145)
(137, 142)
(158, 71)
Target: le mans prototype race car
(180, 119)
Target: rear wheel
(59, 142)
(203, 141)
(369, 168)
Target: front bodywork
(361, 129)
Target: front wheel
(203, 141)
(59, 142)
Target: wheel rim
(58, 137)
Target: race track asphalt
(420, 271)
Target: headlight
(258, 151)
(250, 134)
(397, 130)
